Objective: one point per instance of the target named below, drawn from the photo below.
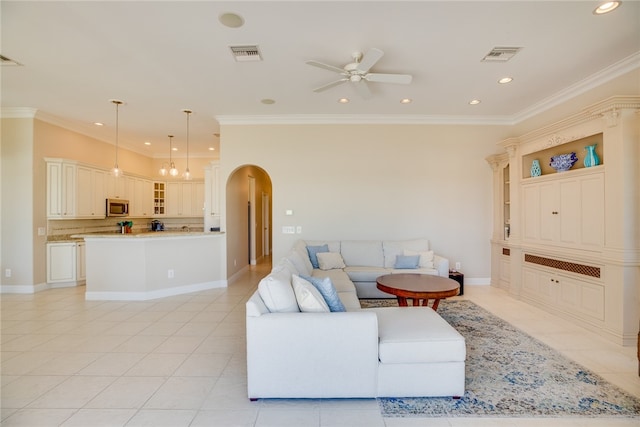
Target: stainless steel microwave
(117, 207)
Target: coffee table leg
(435, 304)
(402, 302)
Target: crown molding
(613, 71)
(332, 119)
(18, 112)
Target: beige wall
(375, 182)
(17, 218)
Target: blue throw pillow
(407, 261)
(313, 250)
(328, 291)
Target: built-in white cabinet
(61, 262)
(118, 187)
(90, 192)
(565, 210)
(184, 199)
(61, 189)
(572, 246)
(212, 196)
(140, 197)
(81, 262)
(65, 263)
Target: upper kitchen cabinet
(90, 192)
(184, 199)
(61, 189)
(212, 196)
(118, 187)
(140, 193)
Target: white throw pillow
(309, 298)
(277, 293)
(330, 260)
(426, 258)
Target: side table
(458, 277)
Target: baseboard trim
(24, 289)
(484, 281)
(161, 293)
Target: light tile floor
(180, 361)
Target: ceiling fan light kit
(358, 73)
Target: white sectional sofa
(366, 260)
(318, 353)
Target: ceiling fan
(358, 73)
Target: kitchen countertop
(146, 234)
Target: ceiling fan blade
(363, 89)
(326, 66)
(330, 85)
(403, 79)
(372, 56)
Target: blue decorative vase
(591, 159)
(563, 162)
(535, 168)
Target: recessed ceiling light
(505, 80)
(406, 101)
(606, 7)
(212, 149)
(231, 20)
(474, 102)
(147, 143)
(343, 100)
(268, 101)
(174, 149)
(98, 124)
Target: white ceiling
(161, 57)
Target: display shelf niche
(577, 146)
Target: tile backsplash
(62, 229)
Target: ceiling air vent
(246, 53)
(4, 61)
(501, 54)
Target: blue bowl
(563, 162)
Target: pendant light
(172, 166)
(116, 172)
(187, 174)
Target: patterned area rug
(511, 374)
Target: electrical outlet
(42, 231)
(299, 229)
(170, 274)
(458, 266)
(7, 272)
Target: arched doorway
(248, 218)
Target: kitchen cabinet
(567, 211)
(118, 187)
(61, 263)
(81, 258)
(212, 196)
(90, 192)
(61, 189)
(159, 199)
(184, 199)
(140, 193)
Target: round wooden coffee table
(420, 288)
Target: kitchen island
(149, 265)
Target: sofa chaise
(297, 347)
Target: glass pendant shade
(116, 171)
(172, 167)
(187, 174)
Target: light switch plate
(288, 229)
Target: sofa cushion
(328, 291)
(417, 335)
(362, 252)
(415, 271)
(339, 278)
(366, 274)
(302, 264)
(276, 292)
(426, 257)
(407, 261)
(392, 248)
(334, 245)
(330, 261)
(313, 251)
(308, 296)
(350, 301)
